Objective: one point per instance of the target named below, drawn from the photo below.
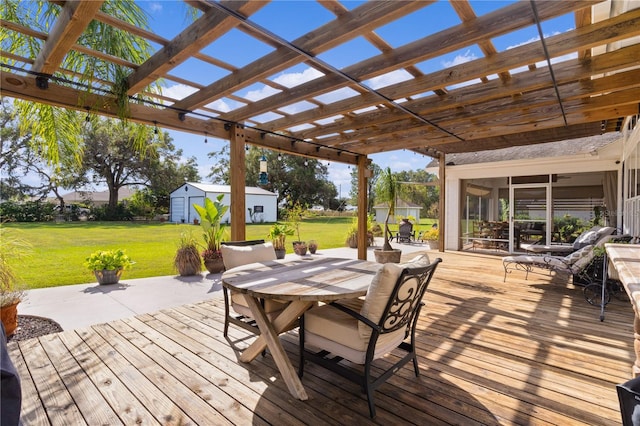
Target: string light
(306, 162)
(279, 156)
(205, 137)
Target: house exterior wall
(604, 161)
(630, 188)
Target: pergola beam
(74, 18)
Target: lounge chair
(588, 237)
(572, 264)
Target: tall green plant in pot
(278, 236)
(12, 247)
(213, 232)
(387, 192)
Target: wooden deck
(519, 352)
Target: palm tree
(56, 131)
(387, 191)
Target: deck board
(491, 352)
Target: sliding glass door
(530, 215)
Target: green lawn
(59, 249)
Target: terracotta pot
(9, 317)
(214, 265)
(433, 244)
(387, 256)
(108, 276)
(300, 248)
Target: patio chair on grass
(363, 330)
(237, 253)
(406, 234)
(572, 264)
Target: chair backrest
(242, 243)
(405, 228)
(237, 253)
(395, 294)
(592, 236)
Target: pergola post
(237, 176)
(363, 174)
(441, 202)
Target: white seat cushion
(233, 256)
(331, 329)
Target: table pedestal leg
(269, 333)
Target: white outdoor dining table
(302, 282)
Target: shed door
(177, 210)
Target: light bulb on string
(205, 137)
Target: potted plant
(387, 191)
(278, 235)
(352, 235)
(11, 294)
(107, 265)
(432, 237)
(213, 231)
(352, 232)
(187, 260)
(294, 215)
(313, 246)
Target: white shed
(261, 204)
(403, 209)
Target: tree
(25, 172)
(168, 171)
(418, 187)
(387, 192)
(291, 177)
(371, 192)
(58, 132)
(112, 157)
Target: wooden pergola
(478, 105)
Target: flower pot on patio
(300, 248)
(387, 256)
(9, 317)
(108, 276)
(214, 265)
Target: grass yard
(60, 249)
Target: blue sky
(290, 19)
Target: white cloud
(178, 91)
(468, 56)
(264, 92)
(297, 78)
(155, 7)
(388, 79)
